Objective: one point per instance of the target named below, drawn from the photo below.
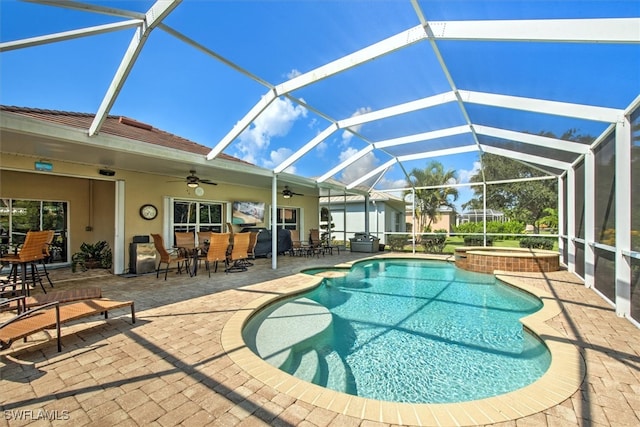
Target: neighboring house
(446, 219)
(386, 215)
(478, 215)
(54, 175)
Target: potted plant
(97, 255)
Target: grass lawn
(457, 241)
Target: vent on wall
(134, 123)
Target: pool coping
(564, 376)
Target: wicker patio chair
(217, 251)
(239, 253)
(168, 258)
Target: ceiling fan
(194, 181)
(287, 193)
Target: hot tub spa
(487, 259)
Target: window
(197, 216)
(287, 218)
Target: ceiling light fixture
(192, 184)
(287, 193)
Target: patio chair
(46, 249)
(218, 250)
(297, 248)
(52, 316)
(238, 253)
(186, 242)
(31, 252)
(168, 258)
(315, 244)
(203, 244)
(253, 241)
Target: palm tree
(429, 201)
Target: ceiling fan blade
(206, 181)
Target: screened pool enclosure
(348, 97)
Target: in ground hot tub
(486, 259)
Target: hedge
(433, 243)
(477, 240)
(536, 243)
(397, 241)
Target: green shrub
(397, 241)
(468, 227)
(513, 227)
(537, 243)
(477, 240)
(493, 227)
(95, 255)
(434, 243)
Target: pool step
(285, 327)
(308, 367)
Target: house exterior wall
(382, 219)
(445, 221)
(77, 184)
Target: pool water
(404, 331)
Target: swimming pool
(404, 331)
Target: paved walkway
(169, 368)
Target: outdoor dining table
(193, 256)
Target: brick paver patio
(169, 368)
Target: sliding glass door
(17, 217)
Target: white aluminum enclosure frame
(622, 31)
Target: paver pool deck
(171, 367)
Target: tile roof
(118, 126)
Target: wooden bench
(52, 316)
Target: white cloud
(387, 184)
(346, 136)
(278, 156)
(275, 121)
(293, 74)
(322, 147)
(359, 168)
(464, 175)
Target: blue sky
(177, 88)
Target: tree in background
(550, 219)
(429, 201)
(521, 201)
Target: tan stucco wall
(445, 221)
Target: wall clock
(148, 212)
